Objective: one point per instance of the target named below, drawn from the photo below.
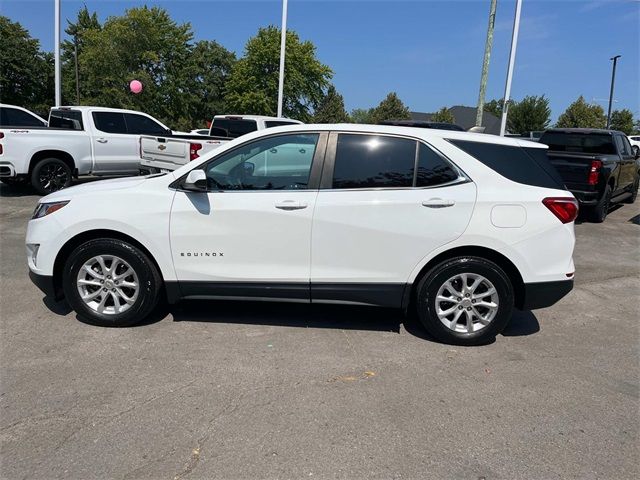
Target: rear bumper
(586, 198)
(45, 284)
(544, 294)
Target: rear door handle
(102, 140)
(291, 205)
(438, 203)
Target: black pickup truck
(597, 166)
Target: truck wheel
(111, 283)
(465, 301)
(634, 191)
(598, 213)
(50, 175)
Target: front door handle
(291, 205)
(102, 140)
(438, 203)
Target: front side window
(373, 161)
(110, 122)
(68, 119)
(141, 125)
(275, 163)
(433, 169)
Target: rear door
(385, 203)
(627, 162)
(114, 149)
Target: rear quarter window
(529, 166)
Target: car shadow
(13, 191)
(635, 220)
(298, 315)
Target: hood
(93, 186)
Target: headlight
(44, 209)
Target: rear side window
(373, 161)
(592, 143)
(68, 119)
(529, 166)
(141, 125)
(236, 127)
(12, 117)
(624, 147)
(432, 168)
(110, 122)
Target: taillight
(194, 148)
(594, 172)
(565, 209)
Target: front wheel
(50, 175)
(111, 283)
(465, 301)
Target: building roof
(466, 118)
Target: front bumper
(544, 294)
(46, 285)
(7, 170)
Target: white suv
(460, 227)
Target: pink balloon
(135, 86)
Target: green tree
(26, 73)
(530, 114)
(76, 30)
(582, 115)
(494, 107)
(211, 65)
(331, 108)
(443, 115)
(391, 108)
(622, 120)
(253, 83)
(362, 115)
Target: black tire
(431, 283)
(148, 279)
(634, 191)
(598, 213)
(50, 175)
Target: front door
(250, 234)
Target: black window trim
(317, 164)
(326, 182)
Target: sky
(429, 52)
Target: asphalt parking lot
(224, 390)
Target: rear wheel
(598, 213)
(634, 191)
(111, 283)
(50, 175)
(465, 301)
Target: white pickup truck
(161, 154)
(78, 141)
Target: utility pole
(283, 42)
(512, 59)
(485, 63)
(56, 53)
(613, 79)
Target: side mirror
(196, 181)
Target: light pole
(613, 79)
(283, 41)
(56, 54)
(512, 59)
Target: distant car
(200, 131)
(597, 166)
(424, 124)
(635, 143)
(14, 116)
